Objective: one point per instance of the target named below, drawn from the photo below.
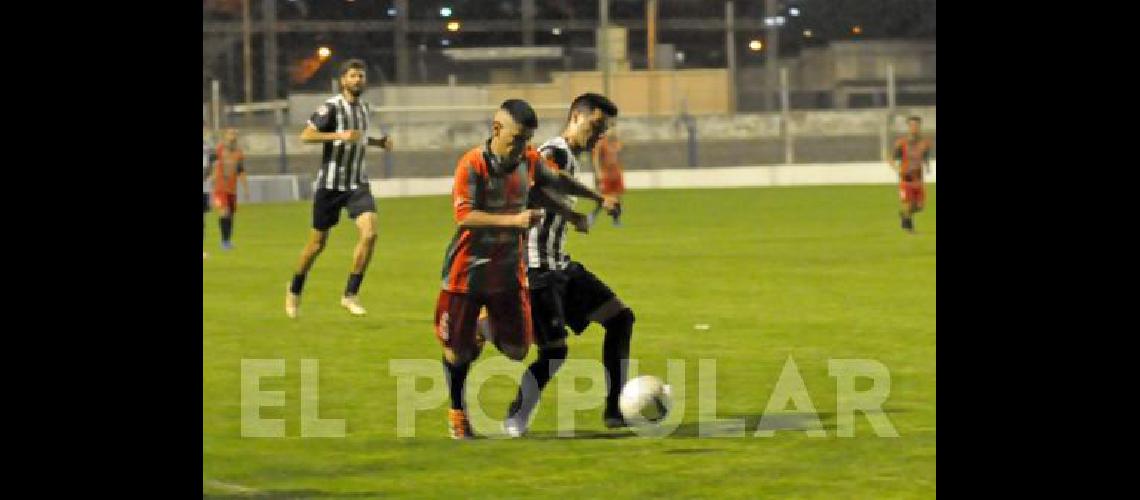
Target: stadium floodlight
(556, 31)
(858, 30)
(774, 21)
(445, 42)
(445, 12)
(794, 11)
(453, 26)
(756, 45)
(324, 53)
(391, 11)
(807, 33)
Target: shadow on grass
(748, 423)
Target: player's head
(230, 136)
(512, 128)
(914, 124)
(352, 77)
(589, 117)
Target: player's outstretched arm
(311, 135)
(383, 142)
(565, 184)
(480, 219)
(557, 204)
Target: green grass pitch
(807, 273)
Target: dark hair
(590, 101)
(351, 64)
(914, 118)
(521, 111)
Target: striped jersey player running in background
(484, 265)
(341, 125)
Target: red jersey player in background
(227, 170)
(607, 167)
(911, 160)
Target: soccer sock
(297, 285)
(353, 284)
(541, 370)
(227, 226)
(615, 354)
(456, 378)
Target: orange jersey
(606, 155)
(227, 168)
(912, 157)
(489, 259)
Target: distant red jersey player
(911, 160)
(607, 167)
(228, 170)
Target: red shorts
(457, 317)
(226, 200)
(612, 185)
(912, 192)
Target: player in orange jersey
(911, 160)
(484, 264)
(228, 170)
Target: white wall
(759, 176)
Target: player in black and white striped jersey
(341, 125)
(563, 292)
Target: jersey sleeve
(324, 118)
(544, 171)
(463, 191)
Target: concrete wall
(458, 135)
(639, 93)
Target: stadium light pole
(604, 46)
(528, 12)
(773, 55)
(651, 33)
(247, 50)
(730, 51)
(401, 42)
(269, 20)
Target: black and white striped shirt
(342, 165)
(546, 241)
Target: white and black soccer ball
(645, 400)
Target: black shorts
(561, 299)
(327, 204)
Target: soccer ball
(645, 399)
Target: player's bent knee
(516, 352)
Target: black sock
(456, 378)
(297, 285)
(615, 354)
(353, 284)
(540, 371)
(227, 226)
